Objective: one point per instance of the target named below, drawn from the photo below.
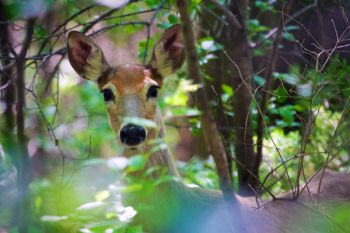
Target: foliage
(77, 177)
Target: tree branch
(105, 15)
(230, 16)
(286, 22)
(270, 67)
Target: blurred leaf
(264, 5)
(179, 97)
(143, 48)
(185, 111)
(48, 218)
(259, 80)
(29, 8)
(136, 163)
(289, 36)
(173, 19)
(118, 163)
(132, 188)
(305, 90)
(255, 26)
(91, 205)
(227, 89)
(102, 195)
(139, 121)
(286, 77)
(134, 229)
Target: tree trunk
(7, 87)
(23, 162)
(234, 64)
(208, 123)
(244, 147)
(238, 50)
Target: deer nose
(132, 135)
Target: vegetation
(276, 87)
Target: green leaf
(132, 188)
(289, 36)
(134, 229)
(136, 163)
(264, 6)
(287, 114)
(173, 19)
(289, 78)
(255, 26)
(305, 90)
(227, 89)
(259, 80)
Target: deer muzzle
(132, 135)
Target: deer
(131, 90)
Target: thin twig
(230, 16)
(160, 6)
(270, 67)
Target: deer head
(129, 90)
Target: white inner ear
(96, 65)
(161, 63)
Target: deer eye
(152, 92)
(107, 94)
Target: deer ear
(168, 53)
(85, 56)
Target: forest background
(277, 78)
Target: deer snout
(132, 135)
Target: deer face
(129, 91)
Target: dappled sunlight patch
(280, 148)
(118, 162)
(102, 195)
(85, 230)
(50, 218)
(199, 172)
(178, 100)
(94, 201)
(112, 4)
(66, 76)
(91, 205)
(126, 214)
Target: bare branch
(270, 67)
(230, 16)
(160, 6)
(273, 31)
(105, 15)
